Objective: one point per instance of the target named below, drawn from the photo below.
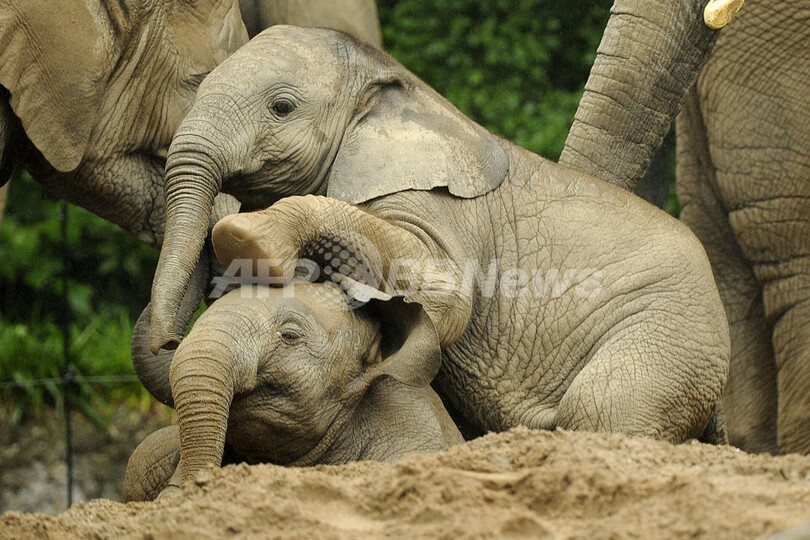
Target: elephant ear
(409, 137)
(54, 61)
(409, 347)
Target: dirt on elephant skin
(519, 483)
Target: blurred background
(516, 67)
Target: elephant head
(98, 89)
(300, 111)
(278, 373)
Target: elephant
(80, 107)
(92, 92)
(309, 381)
(559, 300)
(743, 184)
(740, 182)
(89, 108)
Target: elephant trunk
(194, 173)
(206, 373)
(649, 57)
(152, 369)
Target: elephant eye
(283, 107)
(290, 337)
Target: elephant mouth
(286, 449)
(251, 189)
(253, 192)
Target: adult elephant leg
(784, 271)
(750, 394)
(756, 112)
(791, 338)
(358, 18)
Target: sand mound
(519, 483)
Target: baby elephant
(294, 376)
(559, 300)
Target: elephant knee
(601, 399)
(641, 387)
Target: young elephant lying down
(559, 300)
(310, 381)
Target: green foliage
(107, 269)
(517, 68)
(109, 278)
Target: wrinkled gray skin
(600, 142)
(96, 91)
(306, 381)
(629, 337)
(649, 57)
(57, 122)
(743, 185)
(91, 93)
(59, 128)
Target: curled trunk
(194, 172)
(650, 55)
(153, 369)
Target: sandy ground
(519, 484)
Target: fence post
(67, 376)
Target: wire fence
(69, 381)
(78, 379)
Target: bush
(517, 68)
